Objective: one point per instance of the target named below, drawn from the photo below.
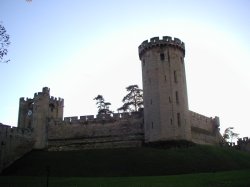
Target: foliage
(103, 107)
(4, 43)
(229, 135)
(133, 100)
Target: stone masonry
(14, 143)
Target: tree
(229, 135)
(133, 101)
(103, 107)
(4, 43)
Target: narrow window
(175, 77)
(52, 106)
(171, 121)
(165, 77)
(179, 119)
(177, 97)
(181, 59)
(162, 56)
(29, 124)
(169, 99)
(152, 125)
(143, 62)
(151, 101)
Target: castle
(165, 117)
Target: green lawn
(240, 178)
(143, 161)
(195, 166)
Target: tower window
(165, 77)
(162, 56)
(181, 59)
(151, 101)
(152, 124)
(175, 77)
(29, 124)
(177, 97)
(52, 106)
(179, 119)
(169, 99)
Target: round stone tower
(165, 90)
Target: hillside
(130, 162)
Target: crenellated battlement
(104, 117)
(243, 140)
(45, 91)
(156, 42)
(200, 117)
(52, 98)
(39, 94)
(197, 116)
(23, 100)
(9, 131)
(203, 122)
(57, 101)
(244, 144)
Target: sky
(80, 49)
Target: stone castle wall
(87, 132)
(204, 130)
(244, 144)
(14, 143)
(119, 130)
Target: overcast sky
(80, 49)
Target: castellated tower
(166, 110)
(37, 112)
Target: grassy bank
(218, 179)
(129, 162)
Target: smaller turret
(37, 112)
(46, 90)
(56, 108)
(25, 111)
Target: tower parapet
(157, 42)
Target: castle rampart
(204, 130)
(244, 144)
(165, 41)
(103, 130)
(14, 143)
(201, 121)
(110, 132)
